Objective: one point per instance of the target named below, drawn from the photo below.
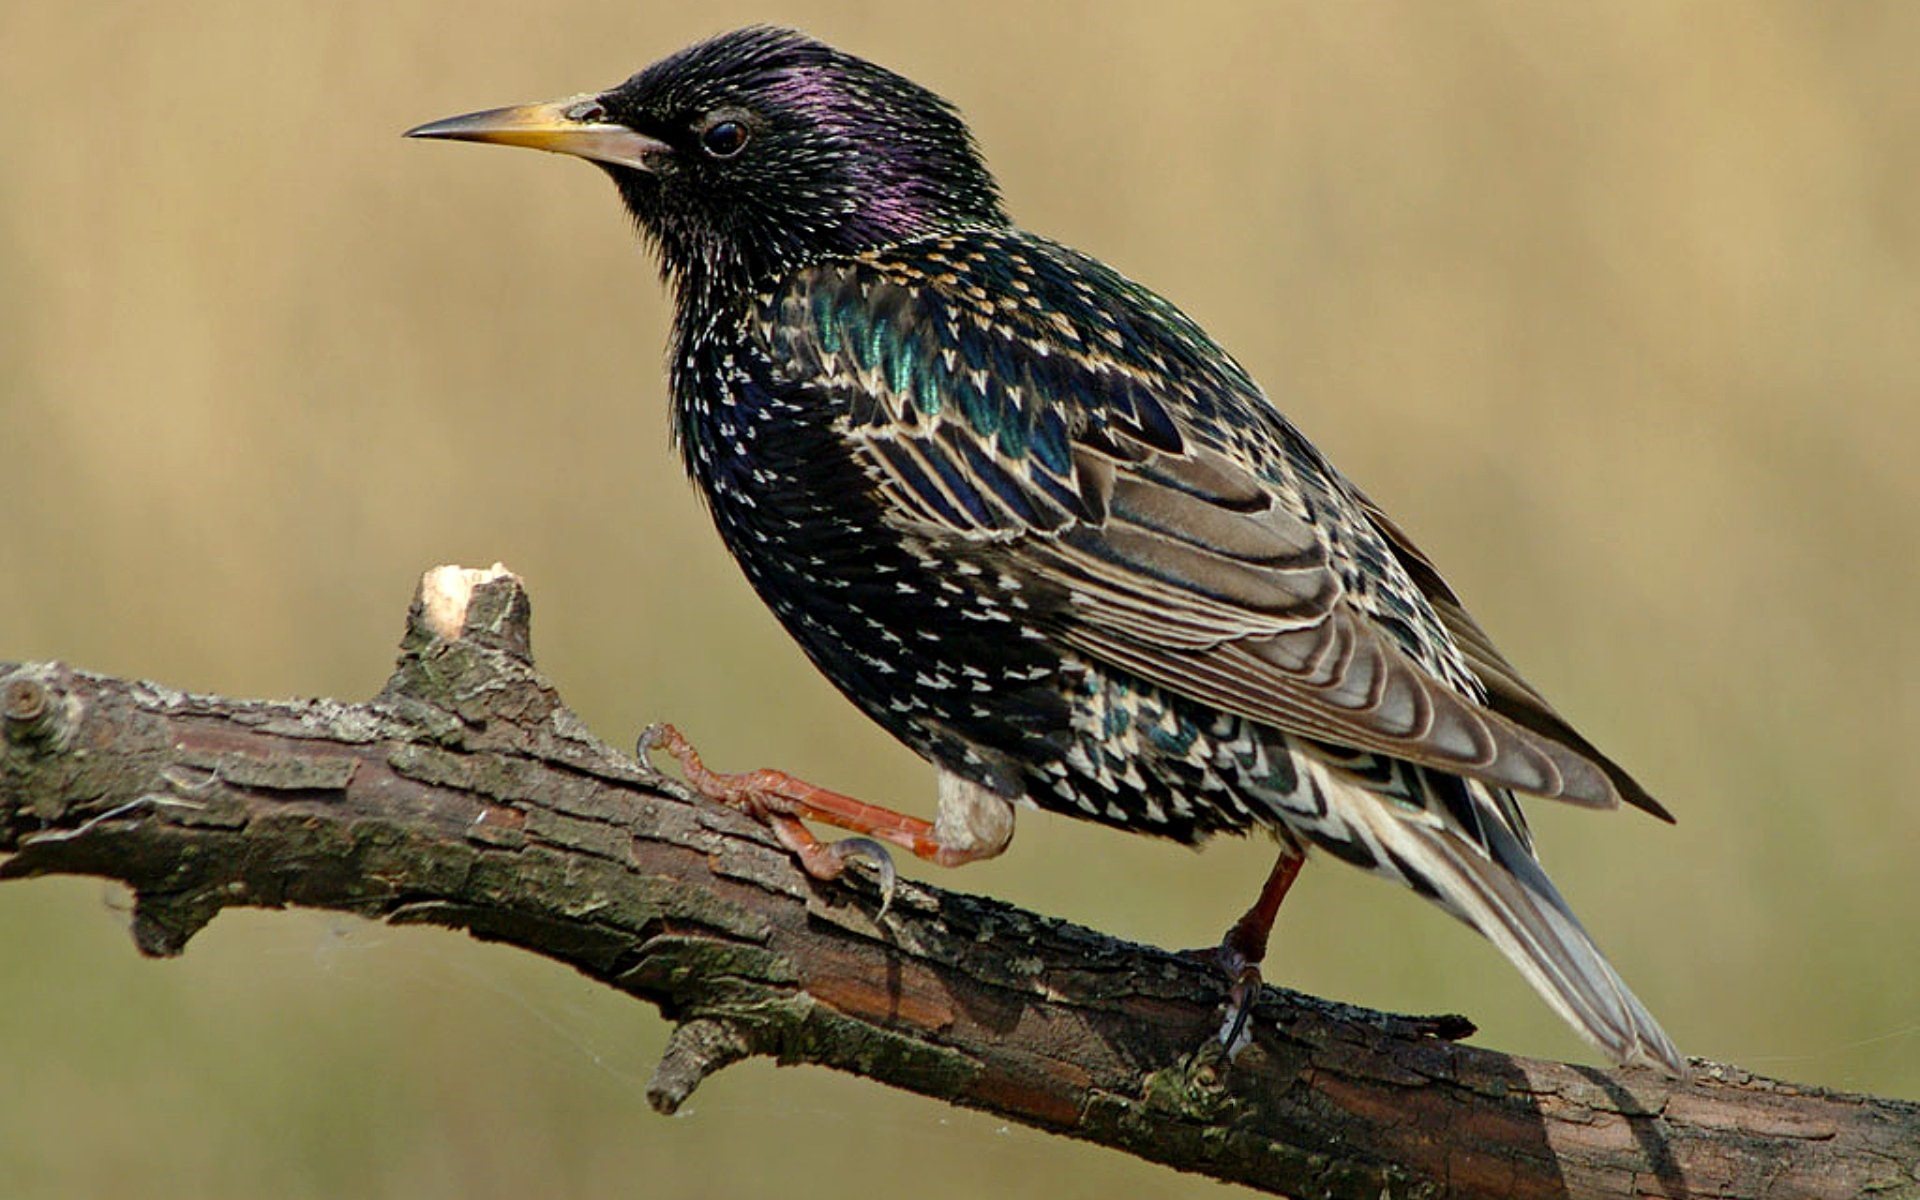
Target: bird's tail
(1502, 892)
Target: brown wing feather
(1187, 584)
(1507, 693)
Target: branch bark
(467, 795)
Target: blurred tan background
(1616, 307)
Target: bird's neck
(707, 309)
(710, 278)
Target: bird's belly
(942, 665)
(965, 673)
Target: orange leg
(1245, 945)
(783, 802)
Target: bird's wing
(1083, 439)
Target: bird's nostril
(587, 111)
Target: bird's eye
(724, 139)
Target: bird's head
(760, 150)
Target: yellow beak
(575, 126)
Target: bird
(1038, 525)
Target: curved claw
(649, 741)
(878, 857)
(651, 738)
(1236, 1032)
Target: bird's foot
(1236, 1028)
(1243, 992)
(828, 860)
(781, 803)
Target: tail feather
(1502, 892)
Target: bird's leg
(1245, 945)
(783, 802)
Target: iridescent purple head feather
(777, 148)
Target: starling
(1030, 518)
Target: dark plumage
(1034, 521)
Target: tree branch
(467, 795)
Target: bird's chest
(787, 498)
